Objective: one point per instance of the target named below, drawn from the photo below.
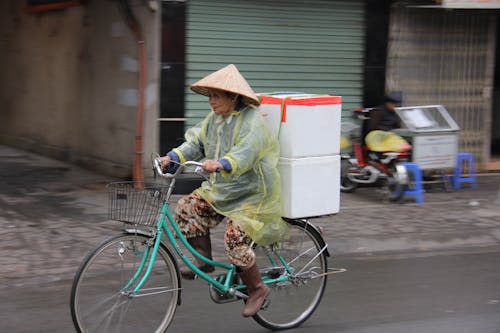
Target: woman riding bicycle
(234, 140)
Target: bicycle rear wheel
(99, 302)
(294, 301)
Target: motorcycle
(367, 167)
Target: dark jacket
(383, 119)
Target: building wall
(69, 80)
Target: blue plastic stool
(415, 174)
(458, 178)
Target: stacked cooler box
(308, 129)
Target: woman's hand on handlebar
(210, 166)
(165, 162)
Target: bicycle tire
(284, 311)
(97, 301)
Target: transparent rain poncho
(251, 193)
(383, 141)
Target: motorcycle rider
(381, 120)
(371, 160)
(384, 117)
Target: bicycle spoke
(159, 290)
(312, 259)
(119, 327)
(107, 315)
(97, 306)
(301, 255)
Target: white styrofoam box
(271, 105)
(272, 115)
(310, 186)
(306, 125)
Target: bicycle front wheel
(293, 301)
(100, 296)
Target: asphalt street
(446, 292)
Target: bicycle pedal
(266, 304)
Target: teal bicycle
(131, 282)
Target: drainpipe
(136, 28)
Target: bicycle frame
(125, 267)
(225, 286)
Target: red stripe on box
(307, 101)
(283, 110)
(323, 100)
(290, 100)
(270, 100)
(326, 100)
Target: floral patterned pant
(196, 217)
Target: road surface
(455, 292)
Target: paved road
(455, 292)
(52, 214)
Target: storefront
(315, 46)
(443, 56)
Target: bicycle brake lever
(199, 171)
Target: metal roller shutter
(307, 46)
(446, 57)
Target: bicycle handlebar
(157, 166)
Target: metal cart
(433, 134)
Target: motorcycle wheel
(394, 189)
(346, 185)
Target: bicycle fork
(145, 267)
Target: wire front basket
(137, 203)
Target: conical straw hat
(228, 79)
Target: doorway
(172, 93)
(495, 112)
